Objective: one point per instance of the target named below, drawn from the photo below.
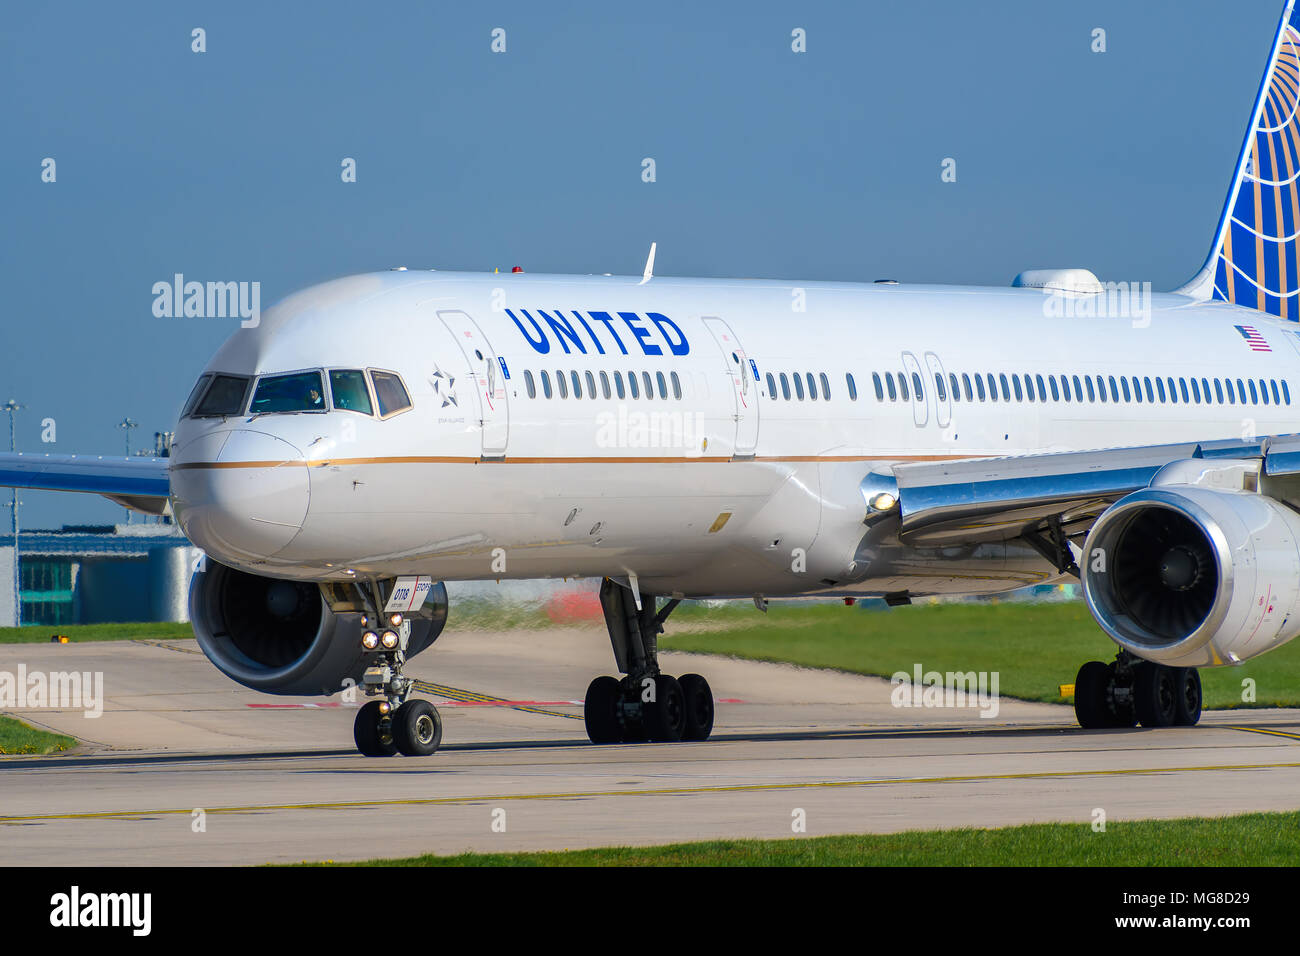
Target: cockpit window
(195, 395)
(390, 393)
(348, 387)
(225, 396)
(297, 392)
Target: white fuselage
(725, 490)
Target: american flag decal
(1256, 341)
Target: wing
(1052, 499)
(141, 484)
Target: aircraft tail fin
(1255, 258)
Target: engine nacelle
(1192, 577)
(280, 637)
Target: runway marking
(1271, 733)
(471, 697)
(167, 647)
(659, 792)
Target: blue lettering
(562, 329)
(648, 347)
(609, 324)
(539, 344)
(681, 346)
(595, 341)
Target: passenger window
(1101, 388)
(1042, 392)
(577, 384)
(917, 390)
(1020, 396)
(604, 386)
(1114, 392)
(826, 385)
(1286, 392)
(771, 386)
(1196, 392)
(591, 386)
(1006, 392)
(529, 384)
(939, 388)
(902, 386)
(1182, 389)
(785, 387)
(1150, 395)
(812, 386)
(798, 386)
(1254, 396)
(1137, 389)
(979, 386)
(663, 385)
(1078, 390)
(546, 383)
(875, 381)
(853, 388)
(1160, 387)
(618, 385)
(225, 396)
(1173, 391)
(893, 392)
(956, 388)
(633, 389)
(1127, 396)
(349, 392)
(649, 385)
(1092, 396)
(965, 386)
(677, 385)
(1205, 389)
(1056, 395)
(561, 384)
(299, 392)
(993, 387)
(1218, 391)
(1065, 388)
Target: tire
(600, 711)
(1121, 714)
(1091, 708)
(373, 732)
(1155, 694)
(417, 728)
(1187, 705)
(664, 718)
(699, 707)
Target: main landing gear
(1130, 691)
(644, 704)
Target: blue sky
(225, 165)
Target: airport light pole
(13, 407)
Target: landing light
(395, 620)
(883, 501)
(370, 640)
(389, 639)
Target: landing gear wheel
(1091, 707)
(600, 711)
(1187, 704)
(664, 718)
(1120, 705)
(417, 728)
(699, 707)
(1155, 691)
(373, 732)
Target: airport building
(97, 574)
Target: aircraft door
(488, 374)
(743, 373)
(939, 382)
(920, 395)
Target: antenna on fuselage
(649, 266)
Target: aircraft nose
(248, 501)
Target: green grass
(1034, 647)
(1255, 839)
(18, 738)
(40, 633)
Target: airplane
(376, 436)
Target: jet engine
(280, 637)
(1193, 577)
